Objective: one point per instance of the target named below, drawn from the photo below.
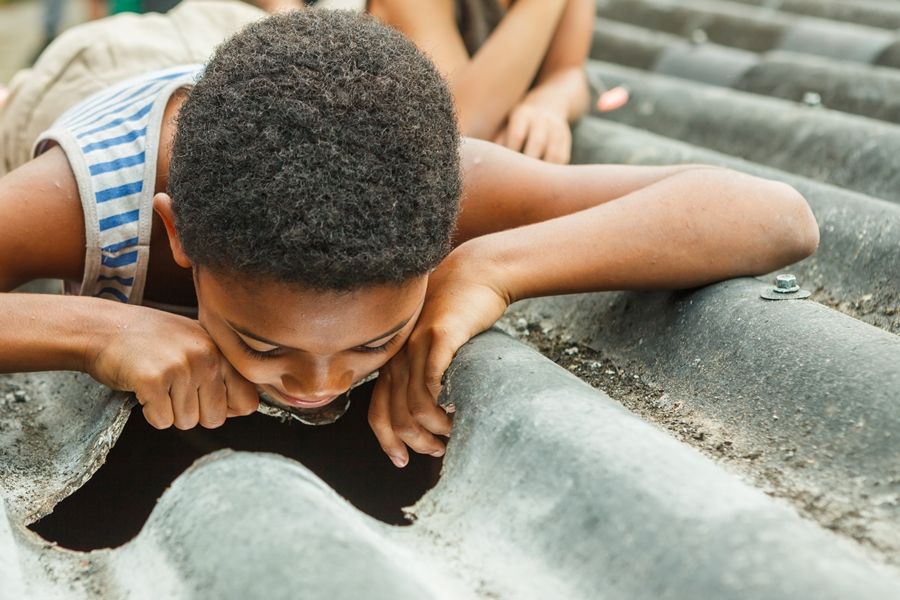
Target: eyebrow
(259, 338)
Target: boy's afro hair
(317, 148)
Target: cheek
(250, 369)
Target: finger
(425, 411)
(160, 419)
(439, 358)
(516, 132)
(559, 148)
(500, 138)
(380, 422)
(242, 399)
(185, 404)
(421, 402)
(157, 408)
(402, 422)
(536, 145)
(213, 404)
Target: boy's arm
(538, 125)
(503, 189)
(669, 227)
(41, 222)
(509, 60)
(42, 236)
(689, 229)
(182, 382)
(608, 228)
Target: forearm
(503, 189)
(52, 333)
(687, 230)
(565, 92)
(509, 62)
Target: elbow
(779, 228)
(803, 230)
(796, 232)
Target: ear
(162, 204)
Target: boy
(303, 196)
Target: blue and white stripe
(110, 140)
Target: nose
(317, 380)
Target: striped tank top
(111, 141)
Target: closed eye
(382, 348)
(258, 354)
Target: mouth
(303, 403)
(319, 412)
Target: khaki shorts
(93, 56)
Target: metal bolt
(698, 36)
(812, 99)
(786, 284)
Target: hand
(538, 132)
(462, 300)
(174, 368)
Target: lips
(303, 403)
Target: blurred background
(27, 26)
(23, 28)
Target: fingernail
(613, 99)
(399, 461)
(449, 408)
(437, 453)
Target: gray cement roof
(726, 447)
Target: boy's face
(305, 348)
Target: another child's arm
(580, 229)
(489, 84)
(538, 125)
(172, 365)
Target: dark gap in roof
(114, 504)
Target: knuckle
(433, 374)
(213, 422)
(206, 361)
(148, 381)
(156, 420)
(438, 330)
(184, 422)
(428, 446)
(249, 408)
(407, 431)
(419, 410)
(378, 420)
